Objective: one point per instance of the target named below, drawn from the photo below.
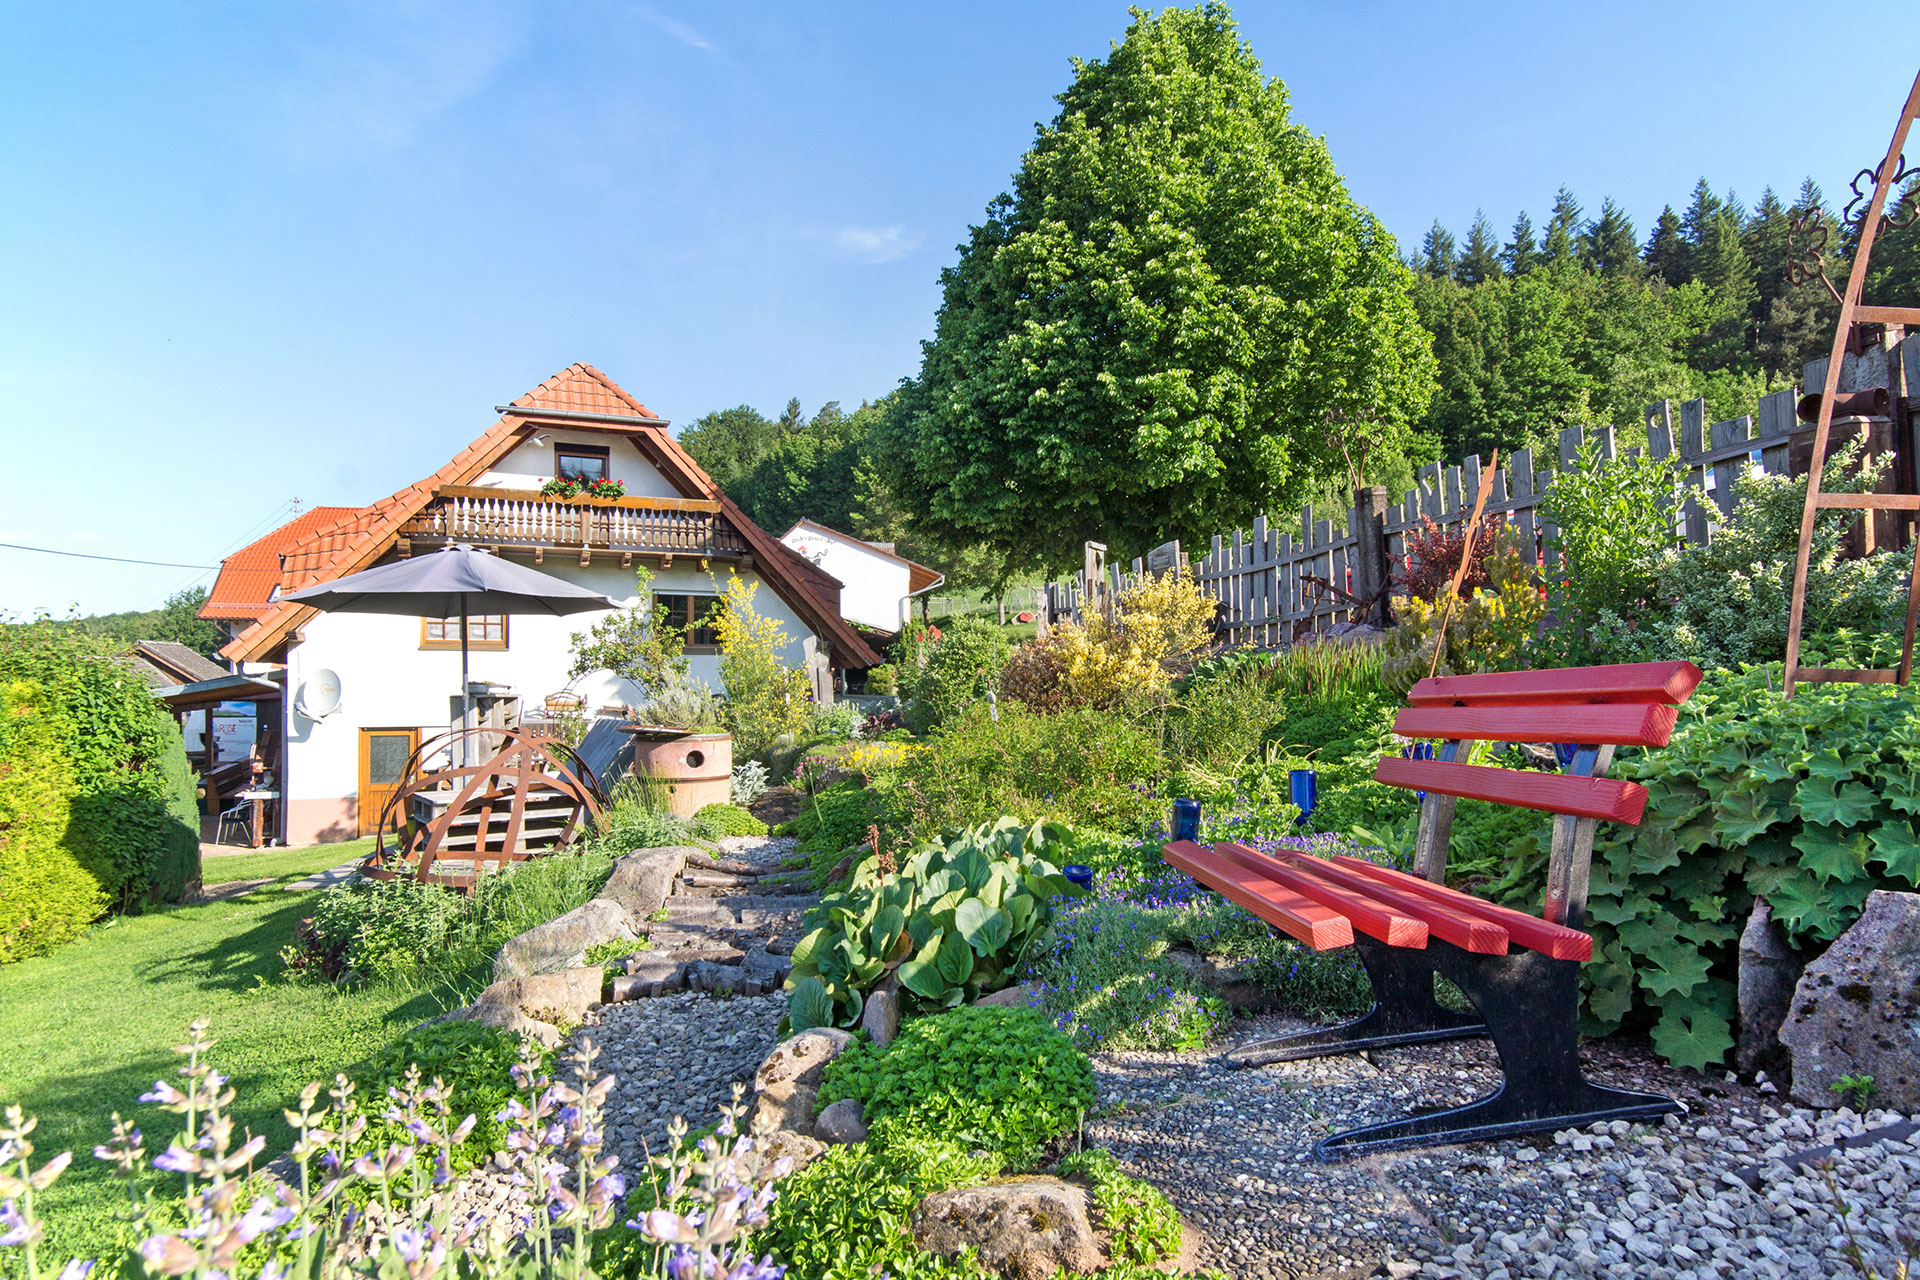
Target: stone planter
(696, 767)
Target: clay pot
(698, 767)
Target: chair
(237, 815)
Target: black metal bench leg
(1404, 1012)
(1531, 1005)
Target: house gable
(578, 401)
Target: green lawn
(85, 1031)
(277, 863)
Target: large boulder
(802, 1059)
(1856, 1010)
(880, 1017)
(788, 1105)
(551, 997)
(1025, 1229)
(643, 880)
(562, 942)
(1769, 970)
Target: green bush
(943, 678)
(883, 679)
(849, 1214)
(835, 720)
(1083, 767)
(132, 820)
(957, 920)
(636, 818)
(717, 820)
(48, 893)
(1809, 801)
(997, 1080)
(1142, 1222)
(474, 1061)
(834, 824)
(382, 930)
(387, 928)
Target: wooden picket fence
(1278, 585)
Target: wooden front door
(383, 766)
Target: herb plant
(999, 1080)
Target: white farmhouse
(397, 679)
(876, 586)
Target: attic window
(580, 461)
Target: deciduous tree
(1143, 340)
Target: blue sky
(251, 253)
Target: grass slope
(85, 1031)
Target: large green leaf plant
(1808, 801)
(955, 921)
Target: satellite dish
(319, 695)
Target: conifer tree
(1764, 238)
(1480, 256)
(1609, 244)
(1666, 252)
(1522, 254)
(1696, 225)
(1436, 251)
(1563, 229)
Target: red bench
(1521, 972)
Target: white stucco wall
(388, 682)
(873, 584)
(531, 465)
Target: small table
(259, 799)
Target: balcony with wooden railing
(625, 526)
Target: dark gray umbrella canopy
(454, 582)
(445, 583)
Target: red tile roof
(355, 539)
(248, 576)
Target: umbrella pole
(466, 689)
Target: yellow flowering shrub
(1156, 628)
(1488, 632)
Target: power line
(81, 555)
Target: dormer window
(580, 462)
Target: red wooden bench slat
(1606, 798)
(1621, 724)
(1670, 683)
(1555, 940)
(1317, 926)
(1451, 919)
(1367, 911)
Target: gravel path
(1659, 1202)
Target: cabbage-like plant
(956, 920)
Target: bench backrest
(1593, 708)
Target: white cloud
(875, 244)
(678, 30)
(369, 81)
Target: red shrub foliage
(1433, 557)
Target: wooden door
(383, 764)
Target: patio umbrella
(455, 580)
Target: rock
(842, 1121)
(1855, 1009)
(1231, 982)
(1025, 1229)
(880, 1019)
(797, 1147)
(562, 942)
(649, 973)
(510, 1020)
(802, 1059)
(704, 975)
(789, 1104)
(769, 968)
(1769, 968)
(1351, 633)
(1009, 998)
(552, 997)
(643, 879)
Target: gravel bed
(677, 1055)
(1232, 1147)
(763, 853)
